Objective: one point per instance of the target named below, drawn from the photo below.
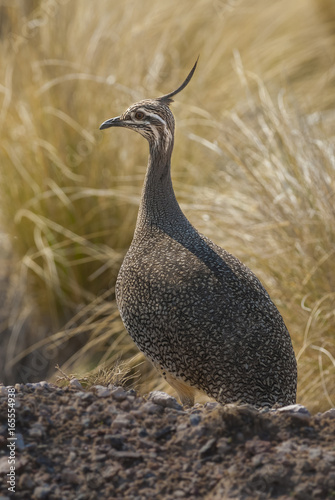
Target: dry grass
(255, 127)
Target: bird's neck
(159, 206)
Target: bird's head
(151, 118)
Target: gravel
(110, 443)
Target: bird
(197, 312)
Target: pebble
(314, 453)
(119, 394)
(71, 477)
(36, 430)
(19, 442)
(114, 440)
(71, 457)
(211, 405)
(4, 465)
(111, 471)
(126, 454)
(26, 482)
(286, 447)
(162, 399)
(223, 446)
(182, 427)
(74, 382)
(122, 420)
(47, 385)
(294, 409)
(101, 391)
(257, 460)
(85, 421)
(179, 493)
(34, 385)
(329, 413)
(195, 419)
(152, 408)
(41, 492)
(3, 391)
(208, 448)
(85, 396)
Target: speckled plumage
(199, 314)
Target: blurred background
(253, 169)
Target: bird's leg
(185, 392)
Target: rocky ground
(113, 444)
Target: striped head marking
(151, 118)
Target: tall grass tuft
(255, 127)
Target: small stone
(179, 493)
(232, 469)
(307, 466)
(19, 442)
(86, 396)
(164, 432)
(79, 394)
(119, 394)
(26, 482)
(240, 437)
(256, 446)
(41, 492)
(152, 408)
(294, 409)
(208, 448)
(162, 399)
(286, 447)
(182, 427)
(33, 385)
(4, 467)
(126, 405)
(257, 460)
(211, 405)
(329, 413)
(223, 446)
(3, 391)
(85, 421)
(329, 457)
(122, 420)
(132, 455)
(102, 392)
(71, 457)
(36, 430)
(74, 382)
(195, 419)
(115, 441)
(110, 471)
(71, 477)
(314, 453)
(331, 480)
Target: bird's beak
(112, 122)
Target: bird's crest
(167, 99)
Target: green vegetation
(253, 167)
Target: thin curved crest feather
(167, 98)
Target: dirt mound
(111, 443)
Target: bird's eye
(139, 115)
